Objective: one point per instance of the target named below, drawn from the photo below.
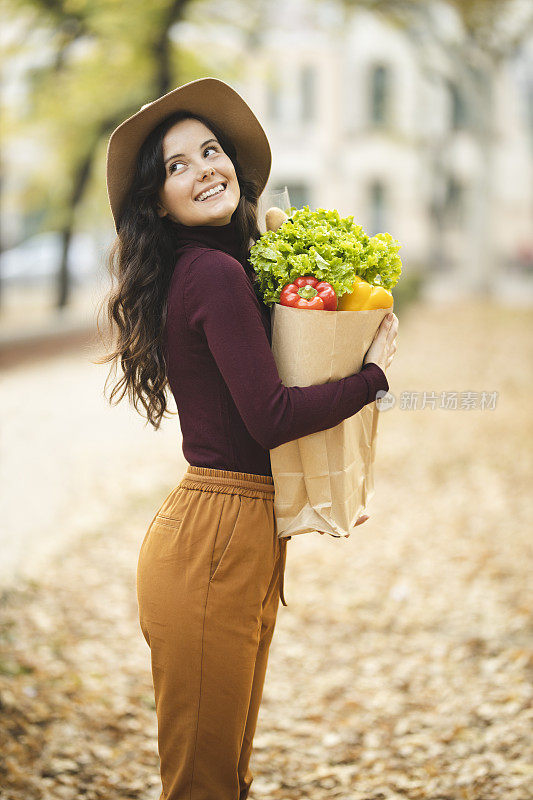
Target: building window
(457, 107)
(529, 109)
(454, 202)
(377, 202)
(307, 93)
(380, 78)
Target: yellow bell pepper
(356, 299)
(365, 297)
(379, 298)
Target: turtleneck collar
(219, 237)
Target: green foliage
(323, 244)
(101, 62)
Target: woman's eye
(211, 147)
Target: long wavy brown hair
(140, 263)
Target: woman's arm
(220, 302)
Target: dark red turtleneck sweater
(231, 403)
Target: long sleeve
(221, 304)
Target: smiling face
(195, 163)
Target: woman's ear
(161, 211)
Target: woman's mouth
(217, 193)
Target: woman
(184, 175)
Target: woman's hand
(383, 347)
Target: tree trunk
(81, 179)
(162, 47)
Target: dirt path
(401, 667)
(68, 458)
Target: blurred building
(369, 119)
(361, 119)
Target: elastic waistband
(246, 484)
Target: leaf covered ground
(402, 667)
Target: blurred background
(417, 119)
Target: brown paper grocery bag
(324, 481)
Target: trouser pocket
(226, 528)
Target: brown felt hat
(213, 99)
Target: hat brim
(209, 97)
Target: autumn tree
(101, 63)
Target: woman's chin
(219, 216)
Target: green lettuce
(323, 244)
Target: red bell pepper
(309, 292)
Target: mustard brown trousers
(208, 576)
